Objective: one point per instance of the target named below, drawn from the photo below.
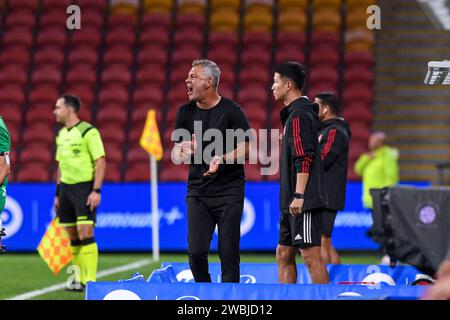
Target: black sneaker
(75, 287)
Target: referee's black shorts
(302, 231)
(73, 210)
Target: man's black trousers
(203, 215)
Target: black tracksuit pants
(203, 215)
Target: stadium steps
(415, 117)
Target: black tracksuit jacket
(334, 139)
(300, 152)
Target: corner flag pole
(155, 214)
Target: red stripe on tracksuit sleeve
(329, 143)
(297, 139)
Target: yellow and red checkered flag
(54, 247)
(150, 139)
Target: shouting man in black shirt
(212, 136)
(334, 138)
(301, 179)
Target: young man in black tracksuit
(334, 139)
(301, 180)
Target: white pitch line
(101, 274)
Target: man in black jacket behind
(301, 179)
(334, 139)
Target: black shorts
(302, 231)
(328, 216)
(72, 204)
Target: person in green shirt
(81, 169)
(378, 168)
(5, 148)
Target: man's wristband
(97, 190)
(58, 186)
(299, 195)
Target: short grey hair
(210, 68)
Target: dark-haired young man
(302, 193)
(334, 139)
(81, 168)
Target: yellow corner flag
(54, 247)
(150, 139)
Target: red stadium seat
(12, 95)
(313, 91)
(252, 93)
(116, 75)
(33, 172)
(138, 172)
(16, 56)
(11, 113)
(223, 41)
(54, 38)
(82, 75)
(152, 56)
(154, 37)
(21, 18)
(137, 154)
(114, 153)
(355, 75)
(138, 117)
(360, 133)
(148, 96)
(13, 75)
(97, 6)
(357, 93)
(122, 37)
(14, 133)
(35, 153)
(178, 76)
(225, 58)
(118, 55)
(178, 95)
(113, 172)
(122, 22)
(325, 41)
(151, 76)
(86, 37)
(113, 134)
(18, 5)
(289, 55)
(113, 95)
(91, 20)
(43, 95)
(48, 56)
(291, 39)
(83, 56)
(257, 57)
(174, 173)
(357, 112)
(254, 75)
(40, 113)
(186, 38)
(18, 37)
(190, 22)
(112, 113)
(357, 148)
(53, 19)
(57, 5)
(183, 58)
(159, 20)
(324, 57)
(257, 40)
(362, 58)
(47, 75)
(39, 132)
(323, 76)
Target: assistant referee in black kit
(216, 188)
